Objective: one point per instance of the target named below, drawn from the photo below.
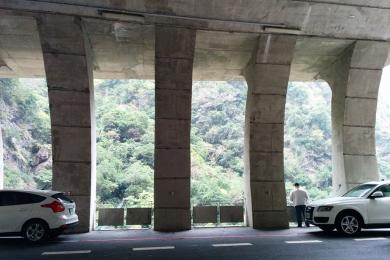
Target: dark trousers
(300, 213)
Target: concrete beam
(172, 177)
(267, 76)
(68, 69)
(354, 80)
(320, 18)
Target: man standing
(299, 199)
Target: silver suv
(365, 206)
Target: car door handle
(22, 210)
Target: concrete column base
(355, 80)
(267, 77)
(70, 88)
(172, 173)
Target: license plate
(71, 211)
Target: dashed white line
(370, 239)
(232, 244)
(303, 241)
(153, 248)
(67, 252)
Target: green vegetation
(308, 133)
(25, 123)
(125, 139)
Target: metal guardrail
(116, 216)
(217, 214)
(200, 215)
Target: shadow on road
(363, 234)
(18, 242)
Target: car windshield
(360, 190)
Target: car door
(378, 208)
(4, 217)
(14, 210)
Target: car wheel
(349, 223)
(326, 228)
(35, 231)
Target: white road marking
(153, 248)
(370, 239)
(303, 241)
(67, 252)
(232, 244)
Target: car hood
(335, 201)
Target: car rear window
(61, 196)
(9, 198)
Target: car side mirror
(377, 194)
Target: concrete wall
(354, 80)
(70, 90)
(172, 174)
(267, 76)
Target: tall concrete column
(1, 160)
(267, 76)
(355, 80)
(172, 174)
(70, 86)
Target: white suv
(365, 206)
(36, 215)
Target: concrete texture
(139, 216)
(231, 214)
(354, 79)
(69, 80)
(111, 217)
(206, 214)
(126, 50)
(337, 18)
(267, 75)
(174, 58)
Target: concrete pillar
(172, 174)
(1, 160)
(355, 80)
(267, 76)
(71, 98)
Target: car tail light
(55, 206)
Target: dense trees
(25, 123)
(308, 138)
(125, 139)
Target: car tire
(35, 231)
(326, 228)
(349, 223)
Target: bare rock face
(1, 160)
(42, 158)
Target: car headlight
(325, 208)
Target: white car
(36, 215)
(365, 206)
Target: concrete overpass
(267, 43)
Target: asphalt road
(206, 243)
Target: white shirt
(299, 197)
